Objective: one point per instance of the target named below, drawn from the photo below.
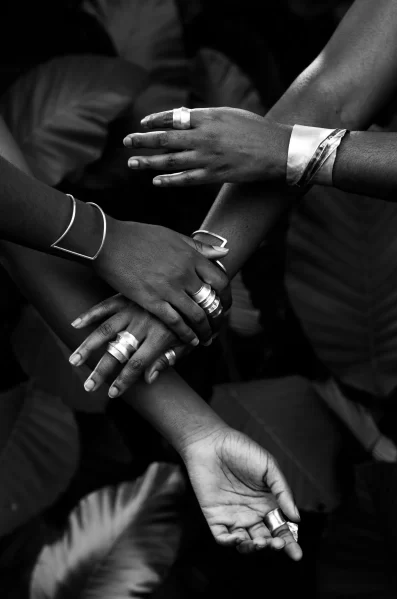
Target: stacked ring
(207, 299)
(124, 346)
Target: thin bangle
(57, 247)
(222, 239)
(54, 245)
(104, 229)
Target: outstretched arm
(235, 503)
(345, 86)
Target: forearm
(345, 87)
(169, 404)
(34, 214)
(366, 163)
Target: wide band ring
(275, 519)
(181, 118)
(117, 352)
(202, 294)
(128, 339)
(171, 356)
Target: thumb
(281, 491)
(212, 252)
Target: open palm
(237, 483)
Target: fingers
(162, 363)
(199, 176)
(166, 162)
(150, 351)
(174, 321)
(165, 119)
(105, 367)
(214, 276)
(103, 334)
(106, 308)
(196, 315)
(162, 140)
(211, 252)
(279, 487)
(291, 547)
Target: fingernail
(113, 391)
(207, 343)
(219, 249)
(75, 359)
(89, 385)
(153, 376)
(297, 514)
(127, 141)
(157, 182)
(144, 121)
(195, 342)
(76, 322)
(133, 163)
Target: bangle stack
(56, 243)
(311, 155)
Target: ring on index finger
(181, 118)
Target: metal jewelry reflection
(123, 347)
(171, 356)
(181, 118)
(275, 519)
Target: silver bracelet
(222, 239)
(57, 247)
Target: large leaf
(38, 453)
(217, 81)
(146, 32)
(120, 542)
(342, 283)
(59, 112)
(288, 418)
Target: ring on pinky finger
(166, 360)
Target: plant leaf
(120, 542)
(342, 282)
(288, 418)
(147, 32)
(217, 81)
(38, 453)
(59, 112)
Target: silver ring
(116, 352)
(207, 303)
(202, 294)
(128, 339)
(219, 263)
(171, 356)
(181, 118)
(215, 307)
(274, 520)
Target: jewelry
(125, 345)
(128, 339)
(222, 239)
(181, 118)
(171, 356)
(275, 519)
(202, 294)
(117, 353)
(311, 153)
(57, 247)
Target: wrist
(280, 152)
(203, 436)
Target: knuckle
(171, 161)
(163, 139)
(105, 329)
(199, 317)
(174, 319)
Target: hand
(223, 145)
(154, 337)
(160, 269)
(237, 483)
